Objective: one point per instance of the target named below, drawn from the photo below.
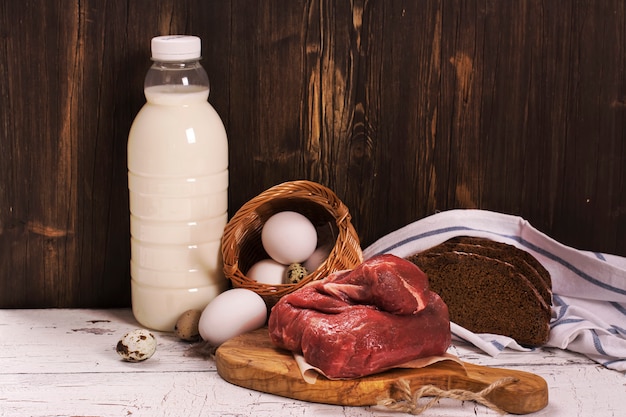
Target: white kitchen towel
(589, 289)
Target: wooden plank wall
(402, 108)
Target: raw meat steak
(364, 321)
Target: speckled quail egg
(186, 327)
(137, 345)
(295, 272)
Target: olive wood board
(252, 361)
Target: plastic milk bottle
(178, 188)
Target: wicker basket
(241, 242)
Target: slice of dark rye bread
(525, 263)
(512, 250)
(488, 295)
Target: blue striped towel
(589, 289)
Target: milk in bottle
(178, 188)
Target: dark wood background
(402, 108)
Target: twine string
(409, 402)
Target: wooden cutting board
(252, 361)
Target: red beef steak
(360, 322)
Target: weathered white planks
(63, 363)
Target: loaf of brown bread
(491, 287)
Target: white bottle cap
(176, 48)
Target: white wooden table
(63, 363)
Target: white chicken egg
(317, 258)
(230, 314)
(289, 237)
(267, 271)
